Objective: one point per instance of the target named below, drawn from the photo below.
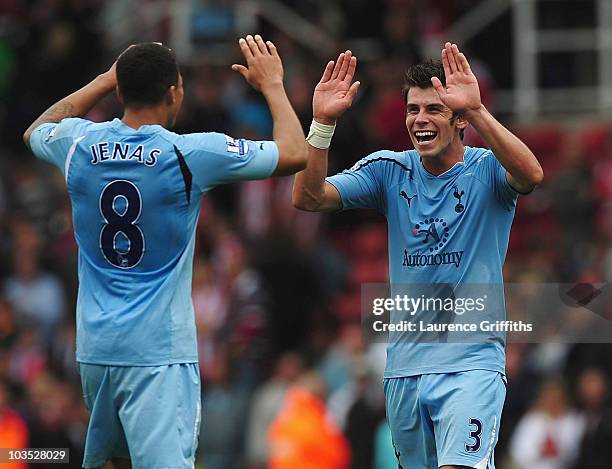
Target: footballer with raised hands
(449, 209)
(135, 188)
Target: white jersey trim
(71, 151)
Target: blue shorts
(148, 414)
(449, 419)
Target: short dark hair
(420, 75)
(145, 72)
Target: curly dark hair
(145, 72)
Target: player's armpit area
(514, 184)
(333, 198)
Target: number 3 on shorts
(476, 430)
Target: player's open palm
(461, 93)
(335, 91)
(264, 66)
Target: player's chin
(426, 151)
(417, 145)
(426, 148)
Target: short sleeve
(361, 186)
(55, 142)
(490, 171)
(215, 158)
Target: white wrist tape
(320, 135)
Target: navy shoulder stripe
(359, 166)
(187, 176)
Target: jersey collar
(449, 172)
(143, 129)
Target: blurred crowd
(288, 380)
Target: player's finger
(445, 64)
(271, 48)
(451, 58)
(438, 86)
(348, 55)
(350, 73)
(240, 69)
(352, 91)
(244, 47)
(261, 44)
(338, 65)
(251, 43)
(465, 65)
(327, 73)
(456, 53)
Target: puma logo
(405, 196)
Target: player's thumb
(352, 91)
(240, 69)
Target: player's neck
(136, 117)
(444, 161)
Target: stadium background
(276, 291)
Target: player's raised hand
(335, 91)
(264, 67)
(110, 77)
(461, 93)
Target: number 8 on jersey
(120, 206)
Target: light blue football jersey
(135, 202)
(447, 229)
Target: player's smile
(428, 142)
(425, 136)
(428, 121)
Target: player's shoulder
(72, 121)
(72, 126)
(385, 159)
(120, 130)
(208, 142)
(170, 137)
(67, 127)
(477, 155)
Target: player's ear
(461, 122)
(171, 95)
(119, 95)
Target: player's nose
(421, 117)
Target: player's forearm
(518, 160)
(287, 131)
(310, 190)
(73, 105)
